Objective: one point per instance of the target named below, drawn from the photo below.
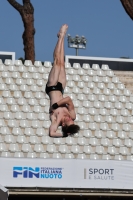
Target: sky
(105, 24)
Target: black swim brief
(57, 87)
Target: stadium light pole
(76, 42)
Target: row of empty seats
(81, 141)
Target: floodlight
(76, 42)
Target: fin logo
(26, 172)
(37, 172)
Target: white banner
(67, 173)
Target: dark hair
(72, 129)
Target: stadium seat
(102, 97)
(105, 142)
(124, 151)
(130, 157)
(9, 139)
(70, 141)
(86, 66)
(36, 123)
(105, 79)
(31, 155)
(118, 105)
(76, 65)
(98, 118)
(118, 157)
(106, 157)
(34, 139)
(13, 147)
(117, 92)
(96, 79)
(3, 147)
(2, 68)
(109, 119)
(82, 141)
(18, 154)
(94, 156)
(40, 132)
(130, 119)
(91, 72)
(87, 133)
(81, 72)
(88, 149)
(87, 118)
(3, 86)
(100, 73)
(42, 70)
(57, 155)
(108, 105)
(22, 68)
(8, 62)
(106, 91)
(37, 76)
(101, 85)
(6, 154)
(24, 123)
(127, 93)
(104, 126)
(44, 155)
(38, 148)
(8, 115)
(46, 140)
(117, 142)
(110, 73)
(29, 131)
(86, 79)
(120, 119)
(112, 98)
(100, 149)
(104, 67)
(21, 139)
(96, 91)
(75, 149)
(58, 141)
(124, 112)
(93, 141)
(129, 106)
(92, 126)
(99, 134)
(128, 142)
(103, 111)
(126, 127)
(112, 150)
(122, 98)
(15, 131)
(86, 90)
(32, 69)
(110, 134)
(12, 123)
(28, 63)
(113, 112)
(30, 116)
(51, 148)
(81, 156)
(4, 108)
(122, 134)
(92, 111)
(115, 79)
(69, 156)
(95, 66)
(115, 127)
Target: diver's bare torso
(57, 114)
